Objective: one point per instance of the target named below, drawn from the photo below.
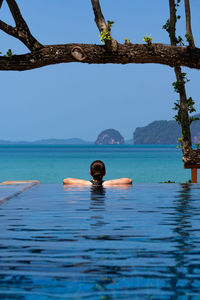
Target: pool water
(140, 242)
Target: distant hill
(164, 132)
(109, 137)
(72, 141)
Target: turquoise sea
(50, 164)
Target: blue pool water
(50, 164)
(140, 242)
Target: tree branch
(21, 31)
(189, 35)
(97, 54)
(185, 122)
(8, 29)
(172, 23)
(110, 43)
(183, 108)
(99, 18)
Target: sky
(80, 100)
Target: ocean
(50, 164)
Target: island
(46, 142)
(109, 137)
(164, 132)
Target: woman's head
(97, 170)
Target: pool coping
(14, 188)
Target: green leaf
(9, 53)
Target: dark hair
(97, 170)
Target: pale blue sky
(80, 100)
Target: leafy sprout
(110, 23)
(105, 36)
(148, 39)
(180, 142)
(9, 53)
(127, 41)
(188, 38)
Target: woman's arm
(118, 181)
(76, 181)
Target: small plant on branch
(166, 25)
(192, 119)
(179, 41)
(177, 3)
(191, 103)
(110, 24)
(189, 38)
(176, 107)
(180, 142)
(179, 85)
(126, 41)
(148, 39)
(9, 53)
(105, 35)
(188, 181)
(179, 88)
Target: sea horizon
(53, 163)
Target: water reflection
(97, 196)
(183, 269)
(97, 206)
(75, 188)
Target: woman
(97, 171)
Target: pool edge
(22, 184)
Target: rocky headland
(109, 137)
(164, 132)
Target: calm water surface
(140, 242)
(50, 164)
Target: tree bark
(99, 18)
(97, 54)
(188, 24)
(189, 155)
(21, 31)
(110, 44)
(185, 122)
(172, 23)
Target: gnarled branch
(21, 31)
(97, 54)
(8, 29)
(110, 43)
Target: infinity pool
(140, 242)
